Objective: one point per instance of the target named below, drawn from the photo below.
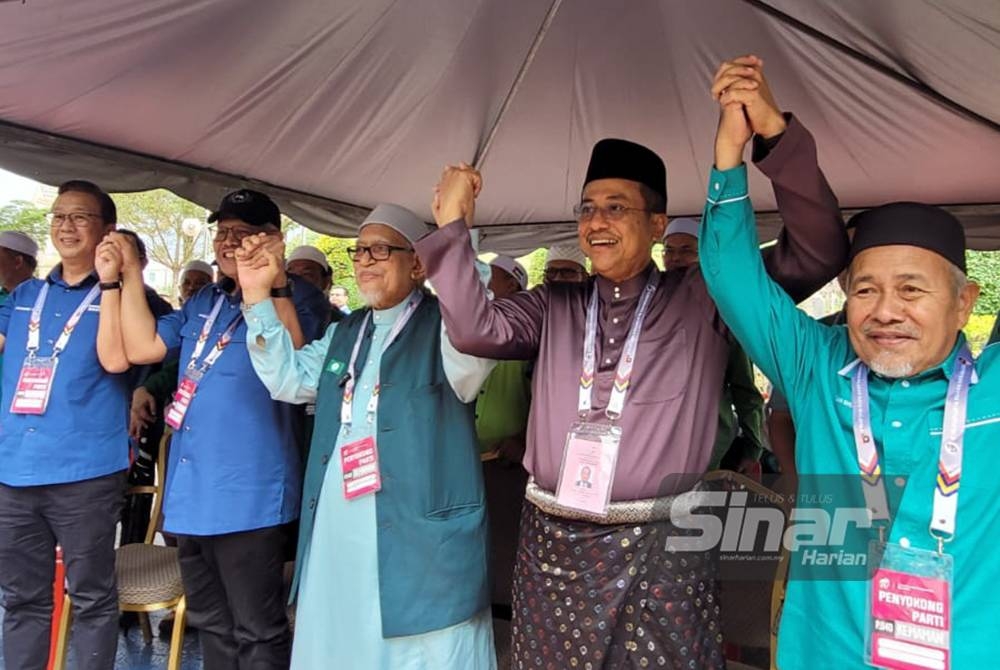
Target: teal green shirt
(822, 624)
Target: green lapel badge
(336, 367)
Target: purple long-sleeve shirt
(671, 411)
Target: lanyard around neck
(206, 330)
(942, 526)
(623, 373)
(35, 321)
(347, 403)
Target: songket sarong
(599, 596)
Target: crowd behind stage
(440, 458)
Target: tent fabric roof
(336, 105)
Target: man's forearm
(508, 328)
(779, 338)
(289, 318)
(138, 325)
(110, 347)
(812, 247)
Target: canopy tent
(333, 106)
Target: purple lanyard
(942, 526)
(623, 374)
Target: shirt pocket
(233, 360)
(662, 368)
(980, 444)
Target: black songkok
(621, 159)
(910, 223)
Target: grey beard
(370, 297)
(894, 371)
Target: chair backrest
(155, 489)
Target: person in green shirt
(908, 299)
(501, 423)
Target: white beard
(371, 297)
(896, 370)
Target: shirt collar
(223, 287)
(55, 277)
(945, 367)
(948, 365)
(629, 289)
(389, 315)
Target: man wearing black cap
(593, 583)
(895, 414)
(232, 485)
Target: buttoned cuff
(262, 322)
(725, 186)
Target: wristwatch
(283, 292)
(110, 285)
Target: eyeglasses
(77, 219)
(378, 252)
(612, 212)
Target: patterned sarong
(593, 597)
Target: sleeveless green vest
(431, 513)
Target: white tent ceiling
(335, 105)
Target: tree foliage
(534, 263)
(25, 217)
(335, 249)
(984, 269)
(157, 216)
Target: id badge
(909, 610)
(34, 385)
(588, 467)
(359, 463)
(174, 414)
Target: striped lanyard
(942, 526)
(220, 345)
(347, 402)
(623, 374)
(35, 321)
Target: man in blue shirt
(62, 462)
(232, 485)
(339, 298)
(18, 254)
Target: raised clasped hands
(747, 107)
(455, 194)
(116, 255)
(260, 265)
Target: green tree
(984, 269)
(158, 217)
(534, 263)
(25, 217)
(335, 249)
